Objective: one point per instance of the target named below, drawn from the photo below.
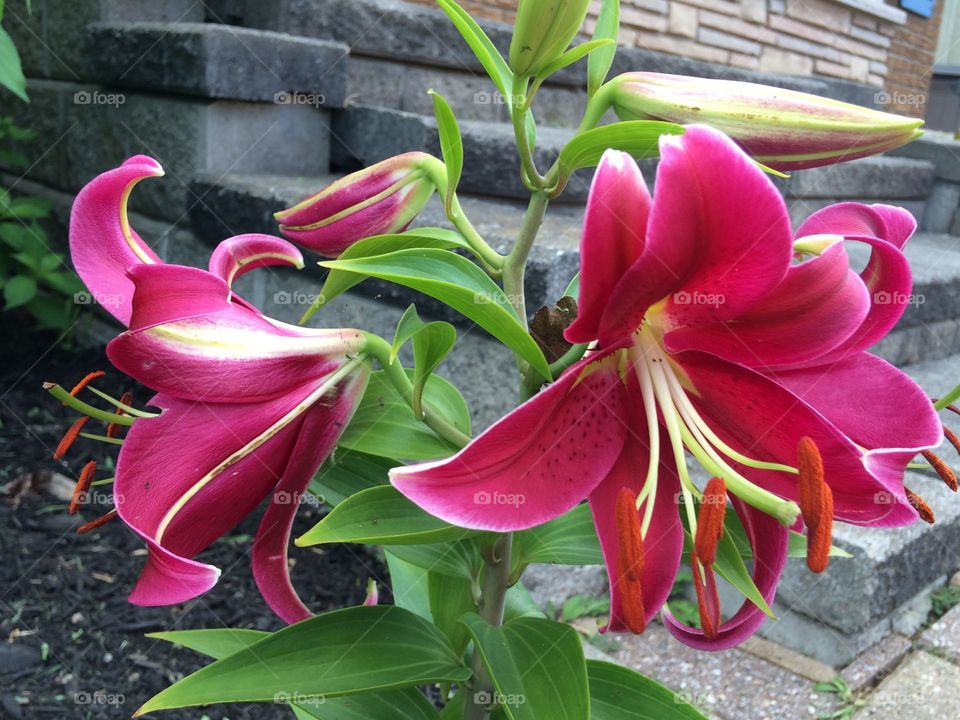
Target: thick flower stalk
(249, 407)
(715, 336)
(785, 129)
(380, 199)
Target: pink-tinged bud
(784, 129)
(383, 198)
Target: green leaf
(451, 146)
(64, 282)
(431, 343)
(384, 424)
(520, 604)
(618, 693)
(537, 668)
(29, 208)
(410, 585)
(339, 281)
(459, 559)
(567, 540)
(575, 53)
(459, 283)
(482, 47)
(581, 606)
(18, 291)
(640, 138)
(339, 653)
(380, 516)
(11, 72)
(405, 704)
(347, 472)
(730, 566)
(599, 62)
(450, 599)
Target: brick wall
(798, 37)
(910, 61)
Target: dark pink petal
(878, 407)
(887, 274)
(191, 341)
(820, 303)
(103, 246)
(614, 228)
(769, 540)
(535, 463)
(242, 253)
(164, 458)
(765, 421)
(321, 429)
(663, 544)
(718, 238)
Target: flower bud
(383, 198)
(543, 31)
(784, 129)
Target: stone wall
(865, 41)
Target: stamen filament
(102, 438)
(87, 409)
(121, 405)
(653, 429)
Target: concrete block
(923, 688)
(942, 206)
(943, 637)
(219, 61)
(870, 178)
(942, 151)
(871, 666)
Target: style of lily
(718, 337)
(248, 406)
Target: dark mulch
(71, 646)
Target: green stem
(491, 259)
(377, 347)
(515, 265)
(518, 114)
(496, 579)
(568, 358)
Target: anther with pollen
(713, 509)
(126, 399)
(816, 505)
(708, 598)
(630, 561)
(99, 522)
(920, 505)
(90, 377)
(70, 437)
(83, 484)
(941, 468)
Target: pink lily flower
(249, 407)
(716, 336)
(104, 247)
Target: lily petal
(322, 427)
(856, 220)
(718, 238)
(769, 540)
(614, 228)
(535, 463)
(242, 253)
(102, 243)
(820, 303)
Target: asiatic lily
(104, 246)
(715, 336)
(248, 407)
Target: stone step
(364, 135)
(885, 587)
(219, 61)
(943, 207)
(83, 130)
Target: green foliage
(849, 701)
(944, 600)
(32, 277)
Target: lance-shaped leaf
(339, 653)
(11, 72)
(460, 284)
(576, 53)
(404, 704)
(639, 138)
(457, 559)
(567, 540)
(617, 693)
(380, 516)
(348, 472)
(600, 60)
(410, 585)
(537, 668)
(451, 146)
(431, 343)
(339, 281)
(384, 425)
(482, 47)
